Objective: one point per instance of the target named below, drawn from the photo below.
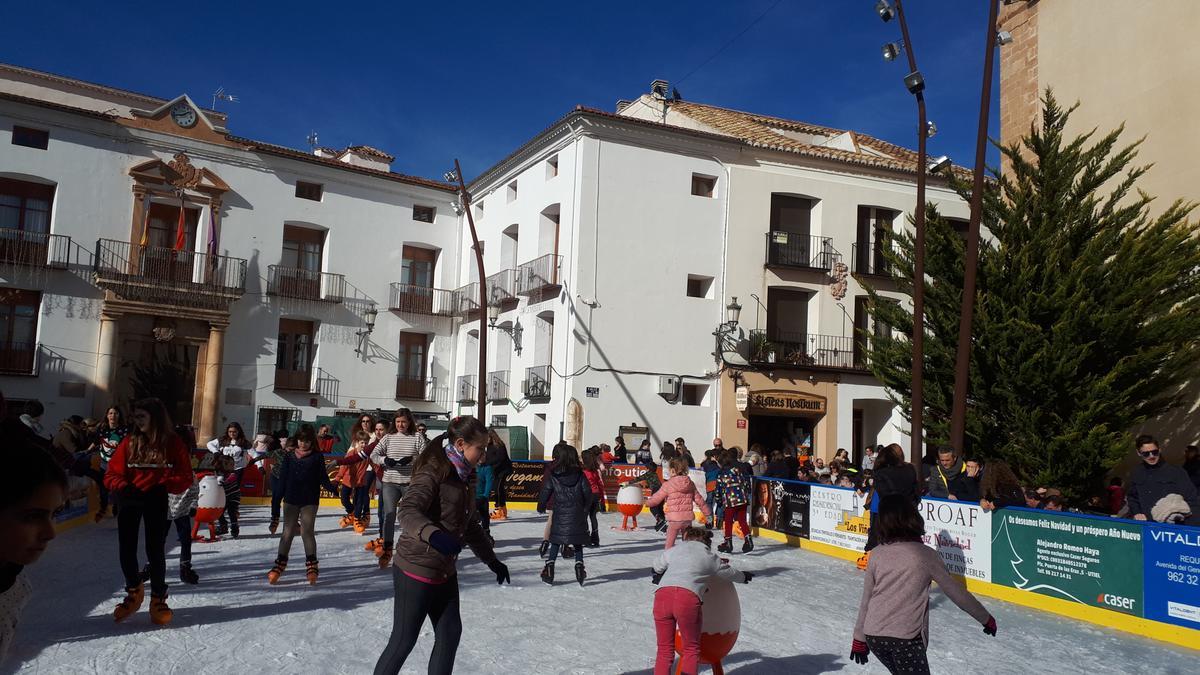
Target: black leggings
(501, 489)
(276, 496)
(183, 529)
(900, 655)
(592, 515)
(149, 508)
(416, 600)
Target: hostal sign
(786, 403)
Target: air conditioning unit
(668, 386)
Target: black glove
(656, 577)
(404, 461)
(130, 490)
(390, 463)
(858, 652)
(990, 627)
(749, 576)
(446, 544)
(501, 571)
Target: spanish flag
(181, 230)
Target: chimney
(622, 104)
(367, 157)
(660, 89)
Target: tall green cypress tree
(1087, 319)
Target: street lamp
(455, 176)
(915, 83)
(369, 317)
(514, 332)
(733, 311)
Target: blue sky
(428, 83)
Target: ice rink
(797, 614)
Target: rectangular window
(308, 190)
(787, 318)
(512, 191)
(703, 186)
(699, 286)
(30, 138)
(412, 356)
(552, 167)
(874, 236)
(694, 394)
(25, 206)
(18, 330)
(302, 248)
(271, 420)
(295, 349)
(423, 214)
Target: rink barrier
(1073, 565)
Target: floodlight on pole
(1004, 38)
(891, 50)
(930, 129)
(884, 10)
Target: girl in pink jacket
(679, 494)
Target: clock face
(183, 114)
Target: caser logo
(1115, 601)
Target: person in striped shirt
(394, 455)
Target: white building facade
(252, 306)
(300, 285)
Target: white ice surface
(797, 614)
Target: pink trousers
(675, 606)
(674, 527)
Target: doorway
(772, 431)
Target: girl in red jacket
(149, 463)
(591, 471)
(678, 495)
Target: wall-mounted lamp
(733, 311)
(514, 332)
(369, 317)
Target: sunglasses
(1149, 453)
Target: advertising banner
(837, 517)
(525, 482)
(782, 506)
(1091, 561)
(961, 533)
(622, 473)
(1172, 574)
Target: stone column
(106, 365)
(211, 396)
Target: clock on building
(183, 114)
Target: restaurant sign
(786, 403)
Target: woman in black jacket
(999, 487)
(620, 452)
(496, 456)
(572, 497)
(301, 478)
(892, 476)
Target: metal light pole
(481, 389)
(916, 85)
(962, 361)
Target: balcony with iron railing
(537, 383)
(464, 390)
(35, 249)
(539, 275)
(410, 299)
(161, 274)
(502, 287)
(466, 300)
(18, 358)
(868, 259)
(302, 284)
(789, 249)
(497, 389)
(415, 388)
(804, 350)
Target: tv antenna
(221, 95)
(312, 140)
